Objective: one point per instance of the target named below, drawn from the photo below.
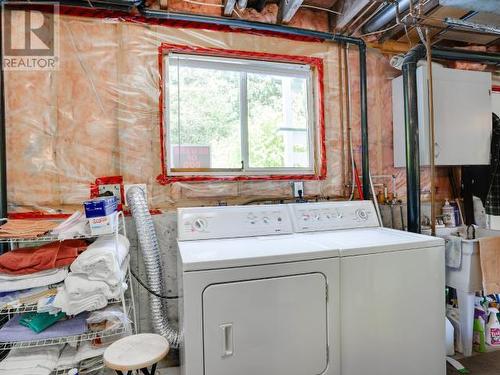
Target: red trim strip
(315, 62)
(496, 88)
(36, 215)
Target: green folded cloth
(39, 322)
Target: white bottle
(493, 328)
(449, 215)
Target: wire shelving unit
(91, 365)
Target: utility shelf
(88, 336)
(33, 308)
(53, 237)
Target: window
(228, 116)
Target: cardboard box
(99, 207)
(103, 224)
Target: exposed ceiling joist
(229, 7)
(350, 10)
(287, 9)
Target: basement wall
(99, 116)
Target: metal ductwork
(150, 248)
(386, 15)
(486, 6)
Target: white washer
(392, 290)
(255, 298)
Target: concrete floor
(481, 364)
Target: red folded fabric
(35, 259)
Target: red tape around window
(315, 63)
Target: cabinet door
(267, 326)
(462, 114)
(462, 103)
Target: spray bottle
(479, 338)
(493, 328)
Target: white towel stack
(31, 361)
(104, 259)
(98, 274)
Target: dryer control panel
(200, 223)
(324, 216)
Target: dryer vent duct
(486, 6)
(148, 241)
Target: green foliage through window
(237, 115)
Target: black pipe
(465, 55)
(411, 117)
(248, 25)
(411, 136)
(365, 161)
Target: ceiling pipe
(411, 116)
(387, 14)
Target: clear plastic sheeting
(99, 115)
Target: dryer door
(268, 326)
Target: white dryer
(391, 290)
(255, 298)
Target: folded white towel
(74, 307)
(34, 280)
(103, 259)
(75, 225)
(31, 361)
(78, 285)
(453, 252)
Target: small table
(136, 352)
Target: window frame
(316, 128)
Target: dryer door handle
(227, 340)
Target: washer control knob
(200, 225)
(361, 214)
(305, 217)
(265, 220)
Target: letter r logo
(27, 31)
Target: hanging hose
(151, 254)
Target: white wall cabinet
(462, 114)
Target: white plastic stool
(136, 352)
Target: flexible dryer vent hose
(151, 253)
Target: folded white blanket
(78, 285)
(31, 361)
(103, 259)
(74, 307)
(75, 225)
(34, 280)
